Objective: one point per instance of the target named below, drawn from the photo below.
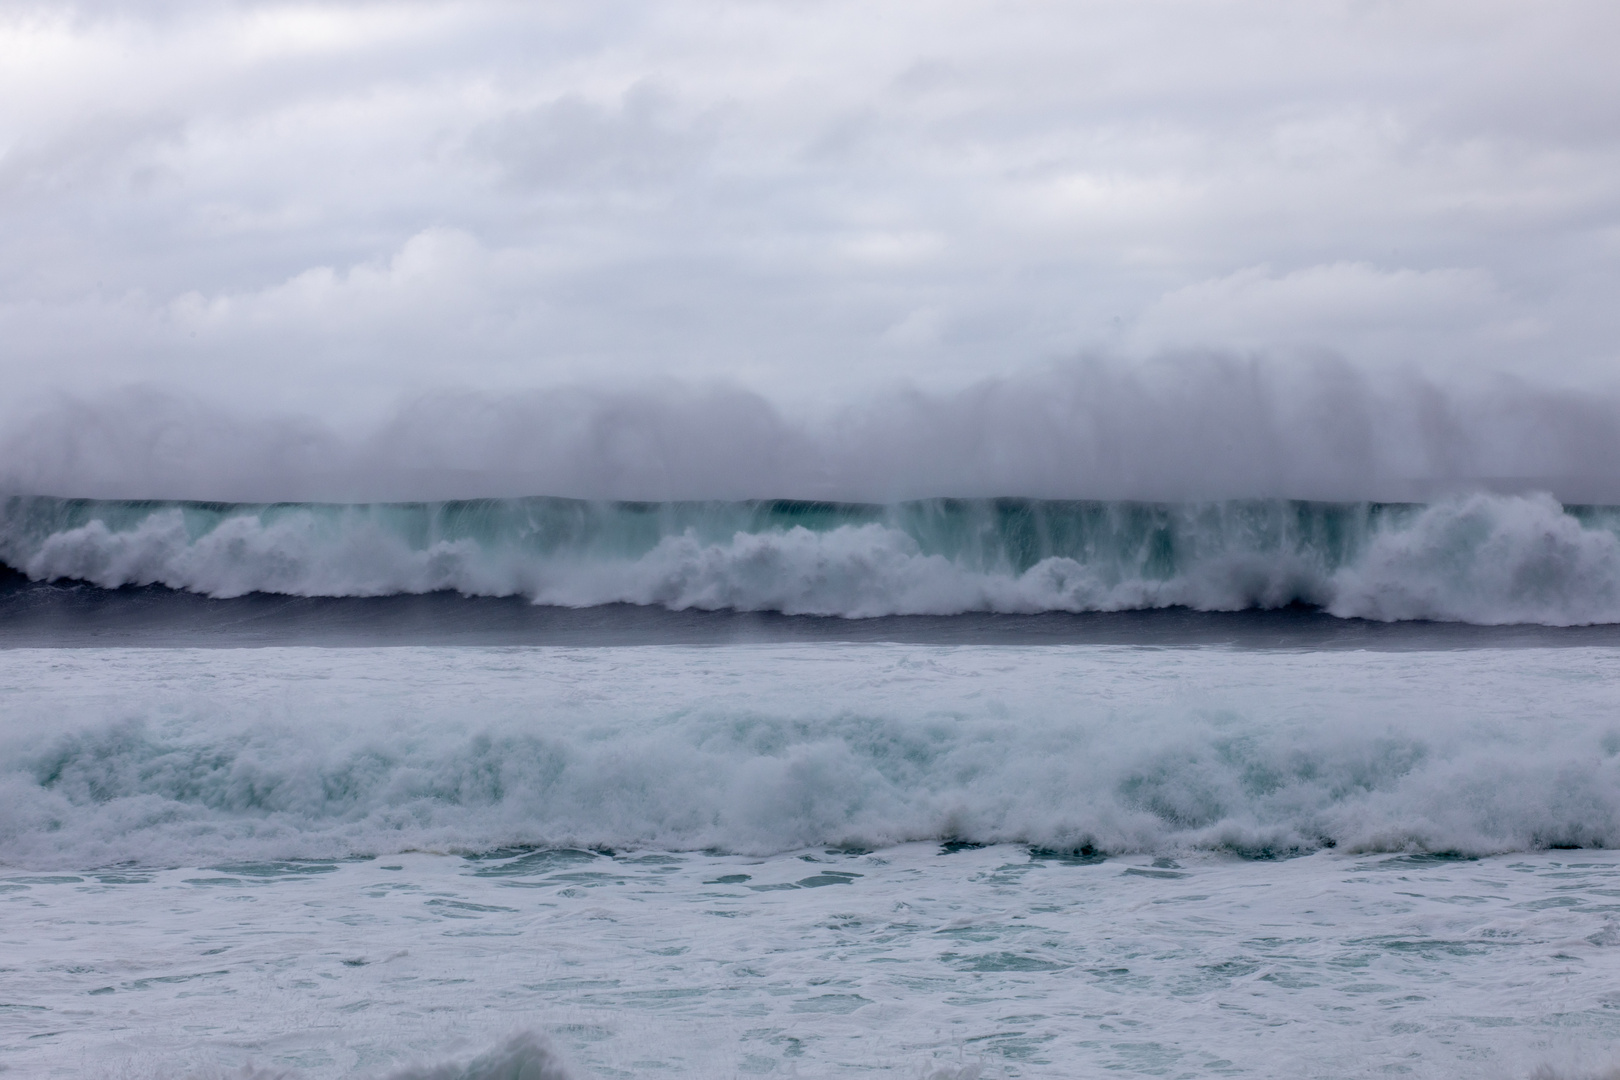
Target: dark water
(71, 614)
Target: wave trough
(1487, 559)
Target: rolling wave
(184, 757)
(1487, 559)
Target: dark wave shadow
(77, 615)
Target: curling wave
(1488, 559)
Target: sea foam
(185, 756)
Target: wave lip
(1487, 559)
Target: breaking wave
(306, 754)
(1488, 559)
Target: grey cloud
(572, 141)
(320, 208)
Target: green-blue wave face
(1007, 535)
(1481, 557)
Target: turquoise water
(1481, 559)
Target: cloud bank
(321, 208)
(716, 249)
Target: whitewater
(1480, 558)
(1181, 779)
(809, 859)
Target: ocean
(534, 789)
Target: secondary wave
(1487, 559)
(182, 758)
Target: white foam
(176, 756)
(1486, 559)
(911, 963)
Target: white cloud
(434, 270)
(1400, 315)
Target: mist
(1193, 427)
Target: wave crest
(1488, 559)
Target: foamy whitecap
(199, 755)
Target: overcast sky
(331, 207)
